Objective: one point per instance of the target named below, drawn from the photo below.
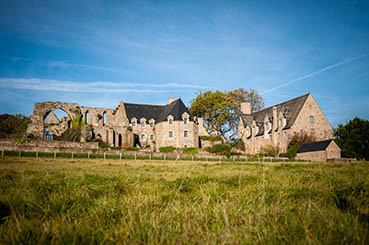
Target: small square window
(133, 124)
(142, 136)
(170, 121)
(143, 124)
(184, 120)
(185, 133)
(311, 119)
(170, 134)
(151, 137)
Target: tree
(241, 95)
(353, 138)
(13, 126)
(220, 110)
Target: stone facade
(277, 124)
(323, 154)
(146, 126)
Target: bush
(131, 149)
(167, 149)
(191, 150)
(291, 152)
(269, 151)
(211, 138)
(23, 140)
(220, 149)
(238, 144)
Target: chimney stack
(170, 100)
(246, 108)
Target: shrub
(220, 149)
(129, 128)
(167, 149)
(211, 138)
(131, 148)
(270, 151)
(291, 152)
(238, 144)
(23, 140)
(191, 150)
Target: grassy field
(96, 201)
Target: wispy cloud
(315, 73)
(92, 87)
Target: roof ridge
(283, 103)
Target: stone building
(276, 125)
(320, 151)
(129, 124)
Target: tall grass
(97, 201)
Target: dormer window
(185, 120)
(152, 123)
(143, 124)
(134, 121)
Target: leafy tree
(241, 95)
(13, 126)
(220, 110)
(353, 138)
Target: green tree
(241, 95)
(353, 138)
(220, 110)
(13, 126)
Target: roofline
(281, 103)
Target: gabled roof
(314, 146)
(290, 110)
(157, 112)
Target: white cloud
(92, 87)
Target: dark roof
(314, 146)
(157, 112)
(290, 110)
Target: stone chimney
(246, 108)
(170, 100)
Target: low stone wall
(48, 146)
(208, 143)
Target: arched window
(86, 117)
(104, 118)
(311, 119)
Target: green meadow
(65, 201)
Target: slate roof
(157, 112)
(314, 146)
(290, 110)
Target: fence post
(150, 156)
(165, 157)
(246, 158)
(104, 155)
(120, 156)
(192, 157)
(20, 152)
(220, 159)
(54, 154)
(2, 153)
(88, 155)
(72, 155)
(135, 156)
(36, 154)
(271, 160)
(233, 158)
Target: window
(151, 124)
(170, 134)
(142, 136)
(311, 119)
(184, 120)
(134, 123)
(170, 121)
(185, 133)
(86, 117)
(151, 137)
(104, 118)
(143, 124)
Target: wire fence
(148, 156)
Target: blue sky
(97, 53)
